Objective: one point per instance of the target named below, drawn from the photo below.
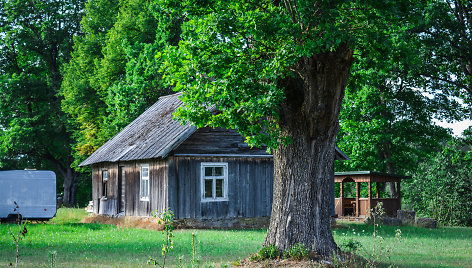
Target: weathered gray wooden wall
(217, 141)
(250, 186)
(101, 205)
(133, 205)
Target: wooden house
(155, 163)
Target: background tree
(36, 41)
(276, 71)
(442, 189)
(446, 51)
(112, 77)
(387, 122)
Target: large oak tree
(276, 71)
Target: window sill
(208, 200)
(103, 198)
(144, 199)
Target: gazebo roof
(366, 176)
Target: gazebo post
(399, 198)
(369, 202)
(377, 192)
(341, 195)
(358, 193)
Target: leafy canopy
(232, 55)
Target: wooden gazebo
(360, 207)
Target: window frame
(104, 193)
(224, 165)
(144, 196)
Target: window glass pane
(219, 188)
(208, 171)
(208, 188)
(142, 189)
(105, 175)
(145, 172)
(218, 171)
(104, 194)
(146, 189)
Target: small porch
(359, 191)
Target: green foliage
(84, 190)
(235, 56)
(386, 122)
(20, 233)
(114, 74)
(446, 41)
(267, 252)
(36, 38)
(351, 245)
(166, 217)
(442, 189)
(297, 251)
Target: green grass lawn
(419, 247)
(97, 245)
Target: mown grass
(96, 245)
(419, 247)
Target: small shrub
(167, 218)
(20, 233)
(297, 251)
(351, 245)
(269, 252)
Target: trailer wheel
(14, 218)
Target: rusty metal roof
(152, 135)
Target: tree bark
(69, 176)
(386, 156)
(69, 187)
(304, 169)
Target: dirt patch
(314, 260)
(126, 222)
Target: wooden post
(358, 193)
(341, 195)
(377, 190)
(369, 202)
(399, 195)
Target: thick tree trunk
(386, 156)
(69, 187)
(304, 169)
(69, 175)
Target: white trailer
(33, 190)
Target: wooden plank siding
(108, 205)
(250, 186)
(158, 188)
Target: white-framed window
(144, 183)
(214, 182)
(104, 184)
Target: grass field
(96, 245)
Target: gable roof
(153, 134)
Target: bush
(269, 252)
(351, 245)
(297, 251)
(442, 189)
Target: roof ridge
(170, 95)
